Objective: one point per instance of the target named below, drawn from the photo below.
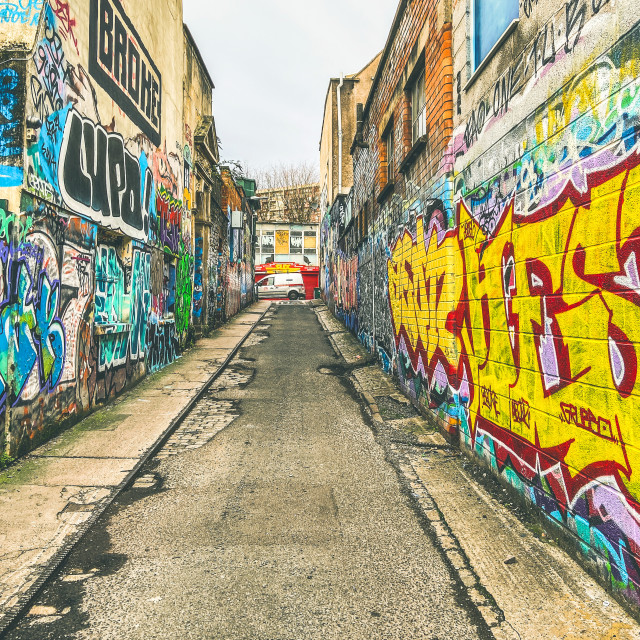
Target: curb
(29, 596)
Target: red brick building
(402, 173)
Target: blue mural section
(11, 118)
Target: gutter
(340, 134)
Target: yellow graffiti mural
(537, 326)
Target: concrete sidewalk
(522, 582)
(51, 497)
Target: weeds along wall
(498, 278)
(96, 228)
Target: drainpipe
(340, 133)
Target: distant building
(288, 221)
(339, 127)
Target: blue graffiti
(109, 293)
(140, 303)
(50, 147)
(21, 12)
(114, 346)
(32, 333)
(164, 347)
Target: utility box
(237, 219)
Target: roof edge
(196, 50)
(385, 54)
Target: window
(282, 242)
(491, 18)
(295, 240)
(310, 243)
(268, 242)
(418, 109)
(388, 143)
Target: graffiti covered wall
(547, 323)
(97, 247)
(93, 201)
(510, 274)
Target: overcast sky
(271, 61)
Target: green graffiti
(10, 222)
(184, 290)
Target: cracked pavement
(289, 524)
(304, 497)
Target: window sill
(476, 74)
(386, 190)
(418, 146)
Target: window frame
(295, 233)
(389, 145)
(421, 118)
(478, 65)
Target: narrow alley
(289, 524)
(275, 511)
(313, 341)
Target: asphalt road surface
(288, 524)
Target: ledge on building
(418, 146)
(386, 190)
(358, 143)
(111, 328)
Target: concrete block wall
(498, 279)
(96, 233)
(546, 186)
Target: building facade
(488, 250)
(338, 131)
(106, 135)
(288, 222)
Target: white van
(282, 285)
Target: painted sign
(122, 66)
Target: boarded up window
(282, 242)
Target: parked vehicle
(282, 285)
